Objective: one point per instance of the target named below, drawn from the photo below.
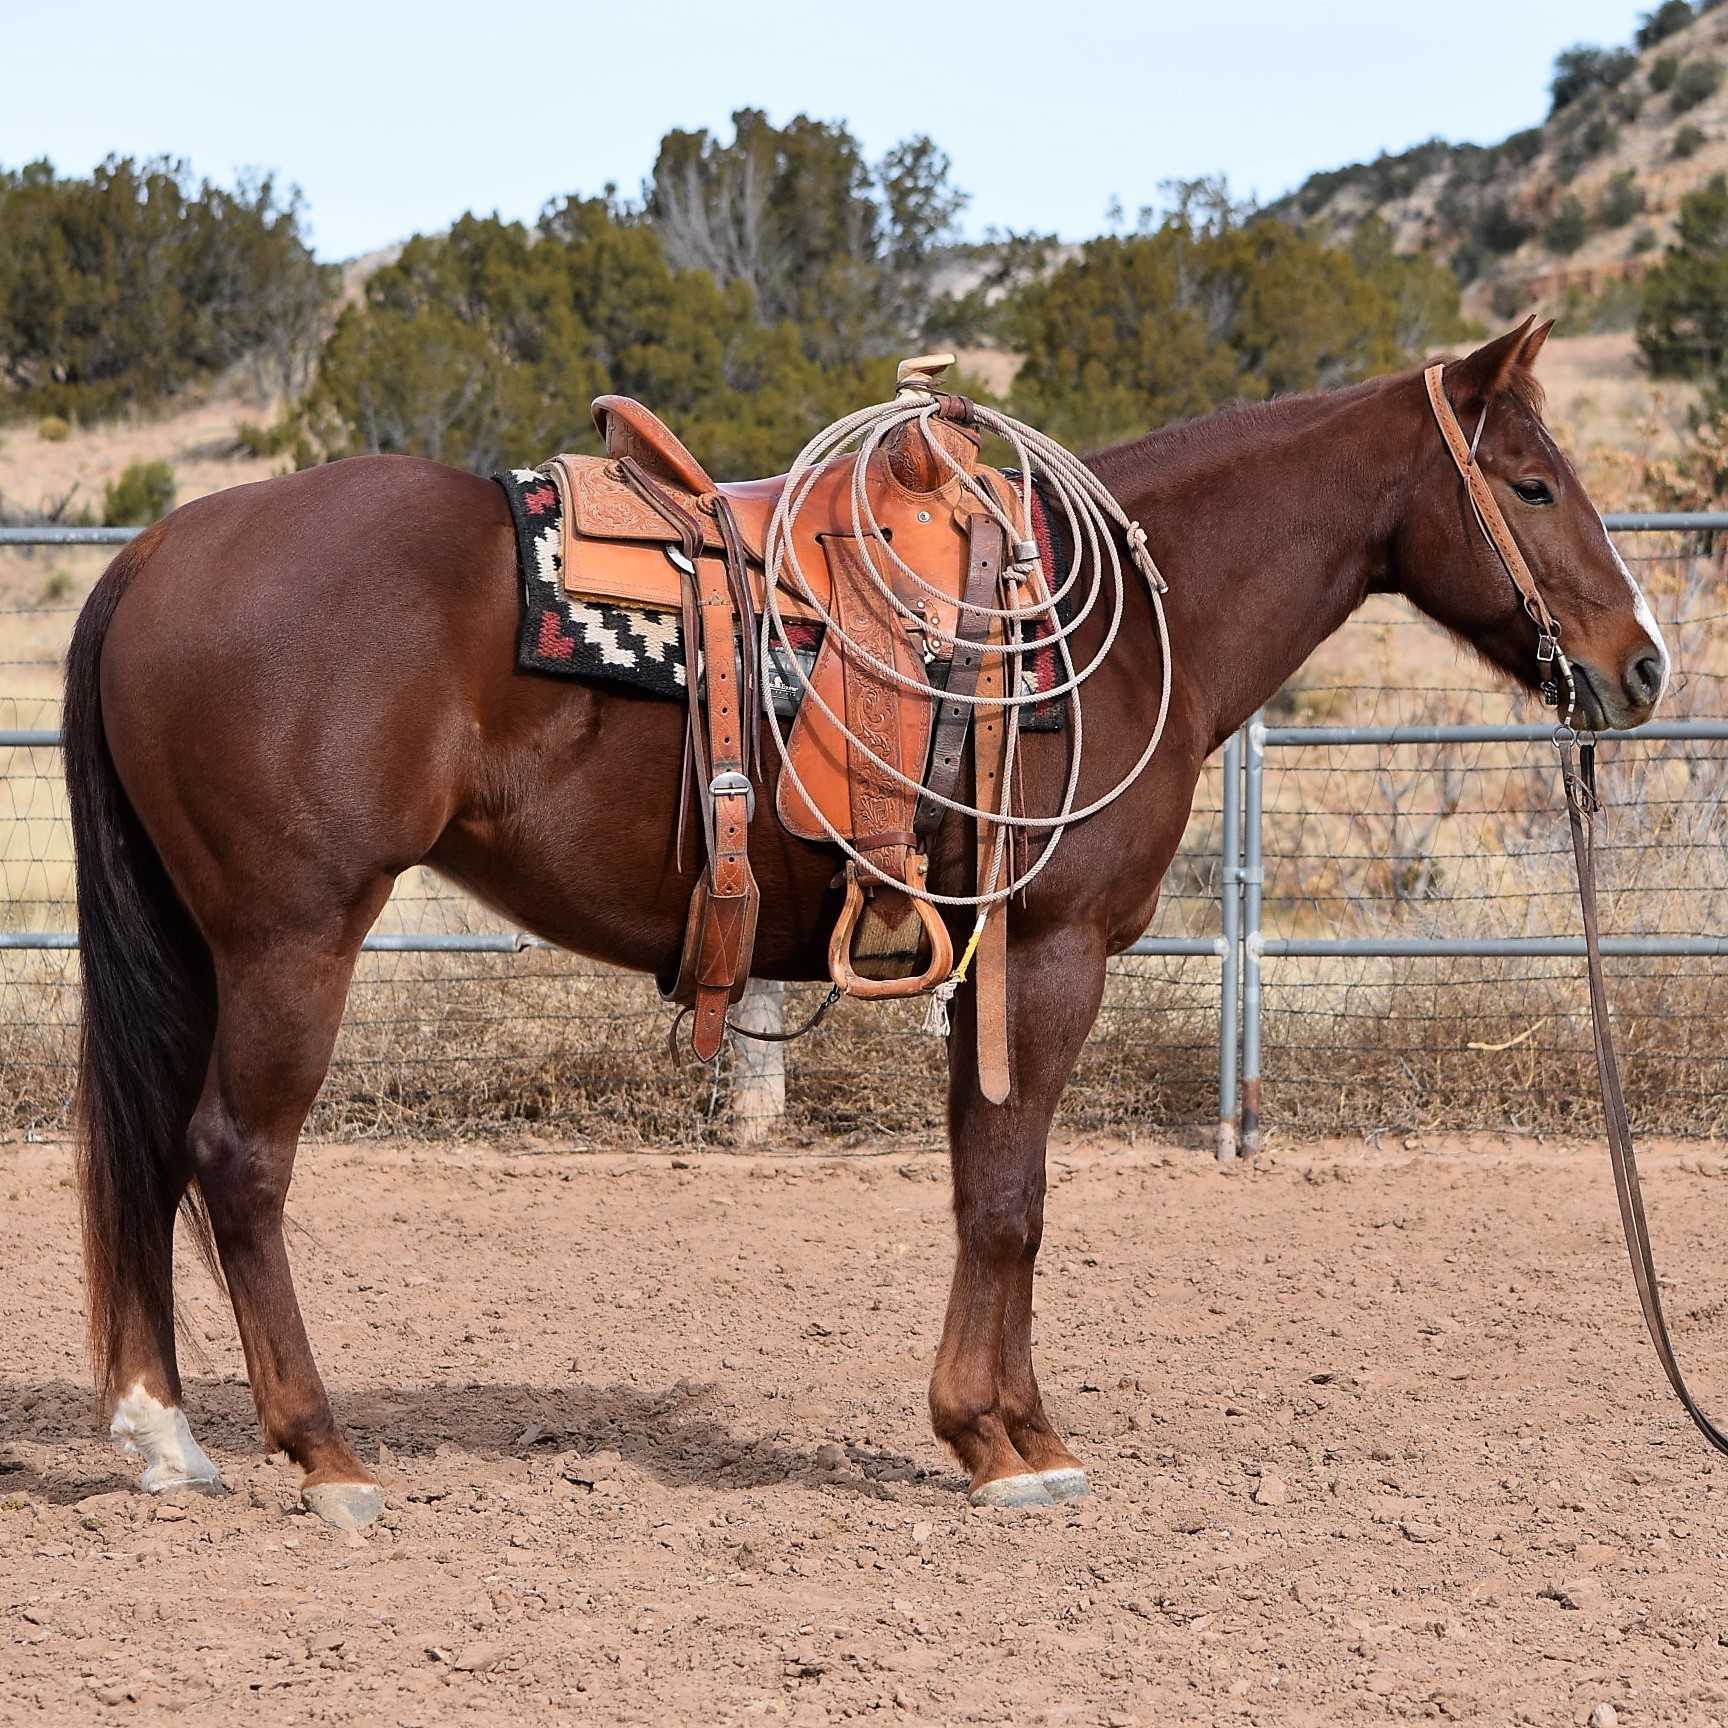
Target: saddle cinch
(644, 525)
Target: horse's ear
(1479, 377)
(1533, 344)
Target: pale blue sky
(395, 118)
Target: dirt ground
(1374, 1432)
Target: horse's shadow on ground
(678, 1435)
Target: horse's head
(1446, 562)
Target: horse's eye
(1533, 491)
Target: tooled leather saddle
(646, 527)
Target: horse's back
(343, 528)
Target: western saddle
(645, 526)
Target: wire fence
(1421, 944)
(1399, 843)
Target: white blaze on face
(158, 1434)
(1641, 611)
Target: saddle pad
(575, 636)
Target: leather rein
(1578, 773)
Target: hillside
(1576, 205)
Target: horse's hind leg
(984, 1398)
(136, 1347)
(130, 1205)
(147, 1417)
(278, 1015)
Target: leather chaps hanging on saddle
(645, 527)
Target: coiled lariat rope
(1096, 524)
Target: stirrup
(840, 967)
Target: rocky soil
(1375, 1435)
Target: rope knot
(1137, 550)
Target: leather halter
(1492, 521)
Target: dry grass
(1418, 842)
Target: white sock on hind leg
(158, 1434)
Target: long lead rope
(1578, 773)
(1582, 804)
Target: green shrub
(1622, 199)
(52, 429)
(1499, 230)
(1522, 148)
(1683, 319)
(1595, 137)
(138, 281)
(143, 494)
(1157, 326)
(1566, 229)
(1663, 71)
(1467, 262)
(1658, 24)
(1697, 81)
(758, 291)
(1615, 307)
(1643, 241)
(1578, 71)
(1688, 140)
(58, 585)
(271, 440)
(1506, 300)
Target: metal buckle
(1546, 647)
(733, 782)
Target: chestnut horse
(284, 695)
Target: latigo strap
(720, 933)
(987, 546)
(990, 963)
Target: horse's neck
(1271, 526)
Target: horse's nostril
(1643, 678)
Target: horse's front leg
(984, 1398)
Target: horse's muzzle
(1608, 704)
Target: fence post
(758, 1102)
(1253, 889)
(1230, 890)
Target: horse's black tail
(148, 1019)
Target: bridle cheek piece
(1552, 666)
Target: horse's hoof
(347, 1505)
(1068, 1483)
(1027, 1490)
(157, 1433)
(159, 1479)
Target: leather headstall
(1492, 521)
